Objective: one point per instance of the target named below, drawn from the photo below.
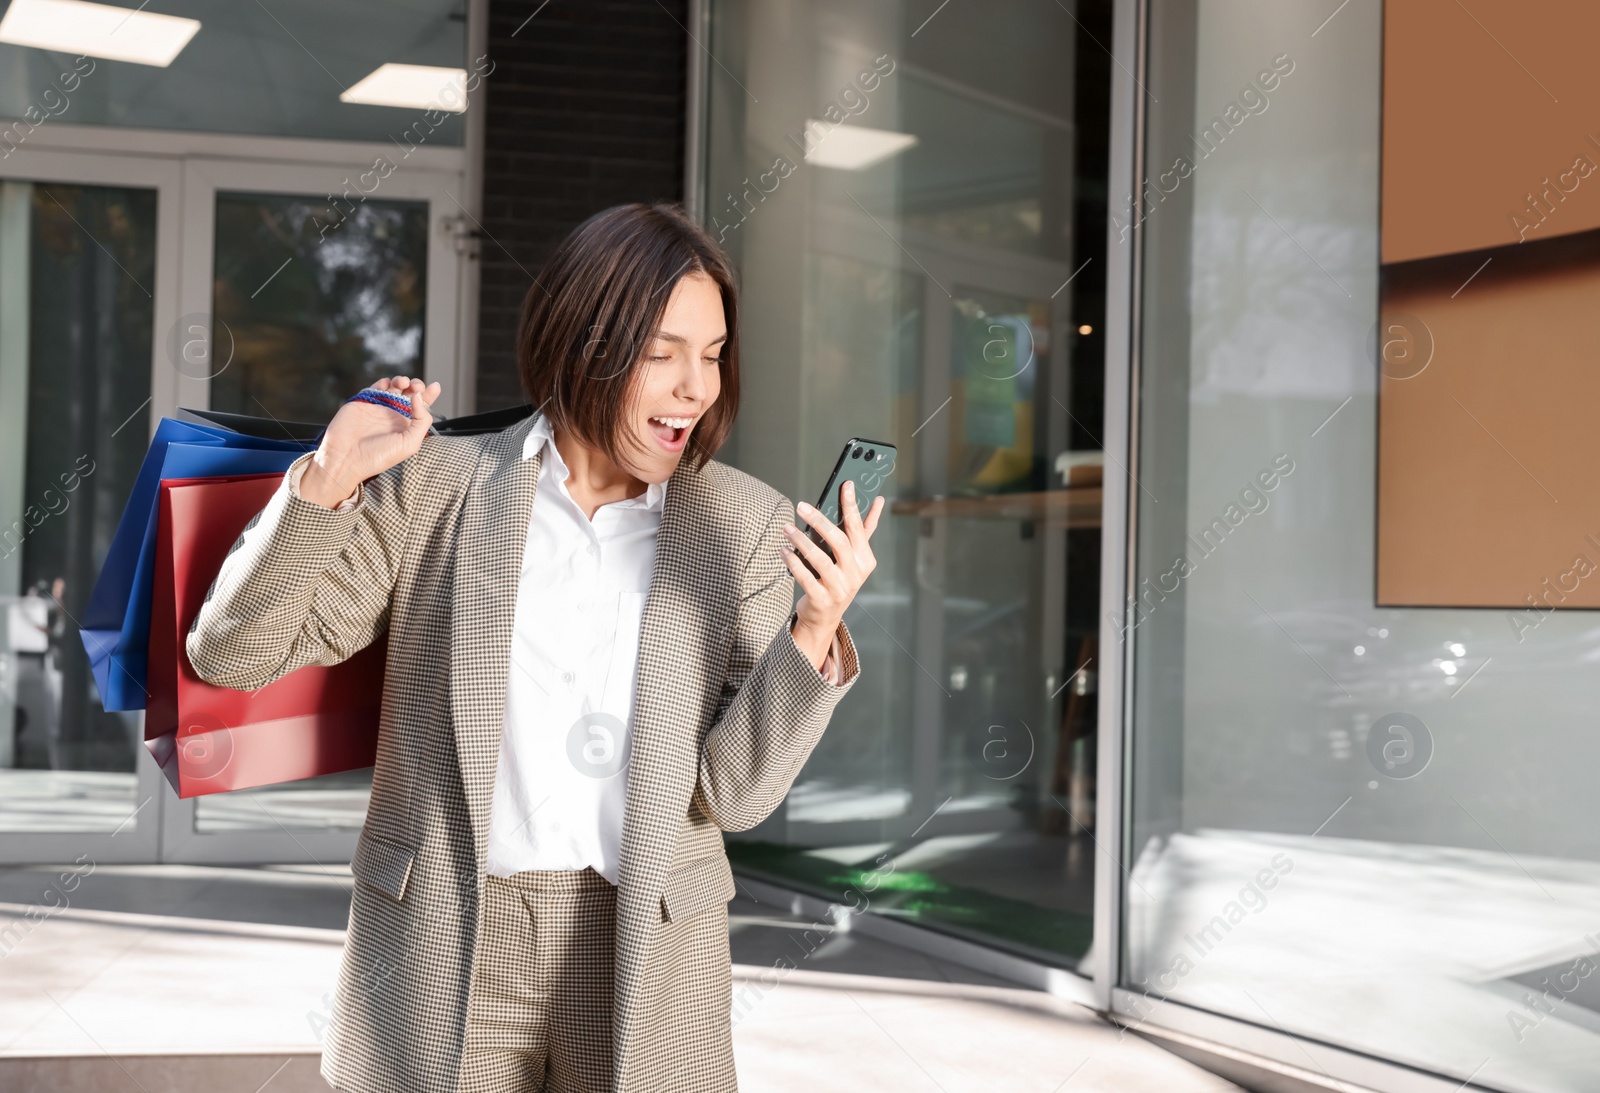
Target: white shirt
(562, 780)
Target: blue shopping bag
(116, 625)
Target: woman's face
(677, 380)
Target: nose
(691, 383)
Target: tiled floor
(815, 1010)
(235, 964)
(827, 1030)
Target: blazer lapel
(490, 541)
(684, 641)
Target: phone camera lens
(856, 454)
(871, 454)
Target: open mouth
(671, 432)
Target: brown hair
(595, 308)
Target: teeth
(675, 422)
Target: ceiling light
(97, 30)
(420, 87)
(853, 147)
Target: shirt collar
(541, 437)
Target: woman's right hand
(364, 439)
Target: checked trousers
(539, 1016)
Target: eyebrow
(679, 339)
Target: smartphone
(867, 463)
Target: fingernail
(850, 487)
(802, 507)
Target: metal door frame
(203, 179)
(136, 838)
(187, 170)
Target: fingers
(418, 390)
(872, 515)
(803, 576)
(421, 395)
(858, 533)
(831, 589)
(415, 388)
(861, 558)
(814, 554)
(849, 510)
(402, 385)
(824, 527)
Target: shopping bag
(116, 624)
(209, 739)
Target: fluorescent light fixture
(97, 30)
(420, 87)
(852, 147)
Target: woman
(595, 667)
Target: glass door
(88, 248)
(302, 284)
(916, 204)
(131, 286)
(992, 623)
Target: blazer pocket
(695, 888)
(383, 863)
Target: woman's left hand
(835, 583)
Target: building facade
(1224, 669)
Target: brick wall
(584, 110)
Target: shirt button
(566, 677)
(593, 550)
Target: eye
(659, 358)
(713, 360)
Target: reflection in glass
(278, 69)
(77, 265)
(999, 346)
(332, 802)
(906, 217)
(1372, 826)
(315, 300)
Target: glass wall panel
(314, 299)
(332, 802)
(1363, 823)
(916, 208)
(311, 300)
(292, 68)
(77, 269)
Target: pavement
(146, 978)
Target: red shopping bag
(210, 739)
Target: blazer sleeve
(775, 703)
(302, 585)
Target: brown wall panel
(1489, 459)
(1483, 101)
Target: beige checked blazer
(726, 711)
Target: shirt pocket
(623, 671)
